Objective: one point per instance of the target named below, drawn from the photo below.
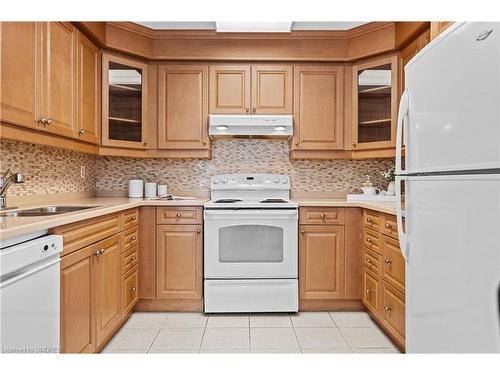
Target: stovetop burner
(227, 200)
(273, 200)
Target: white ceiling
(210, 25)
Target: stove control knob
(284, 179)
(216, 180)
(224, 180)
(276, 179)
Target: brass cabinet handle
(302, 231)
(247, 109)
(42, 120)
(296, 143)
(368, 291)
(145, 143)
(133, 289)
(133, 238)
(323, 216)
(198, 231)
(134, 258)
(133, 218)
(369, 220)
(254, 110)
(179, 214)
(49, 121)
(81, 132)
(353, 144)
(388, 261)
(368, 260)
(387, 308)
(388, 226)
(204, 143)
(369, 240)
(98, 253)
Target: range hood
(251, 126)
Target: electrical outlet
(82, 171)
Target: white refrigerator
(449, 125)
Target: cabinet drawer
(393, 269)
(371, 220)
(81, 234)
(372, 260)
(322, 215)
(179, 215)
(130, 218)
(393, 311)
(130, 238)
(389, 226)
(371, 240)
(129, 259)
(130, 290)
(371, 291)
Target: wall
(234, 156)
(48, 170)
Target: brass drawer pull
(388, 226)
(133, 258)
(369, 240)
(179, 215)
(133, 218)
(81, 132)
(368, 260)
(133, 289)
(369, 220)
(323, 216)
(302, 231)
(98, 253)
(368, 291)
(387, 308)
(133, 238)
(388, 261)
(198, 231)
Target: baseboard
(400, 345)
(192, 305)
(331, 305)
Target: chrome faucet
(6, 179)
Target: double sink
(44, 211)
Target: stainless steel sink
(45, 211)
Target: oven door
(250, 243)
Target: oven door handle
(247, 214)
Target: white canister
(135, 188)
(162, 190)
(150, 190)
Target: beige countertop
(17, 226)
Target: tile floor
(308, 332)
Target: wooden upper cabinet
(88, 94)
(318, 108)
(409, 52)
(59, 63)
(374, 104)
(321, 262)
(230, 89)
(124, 102)
(18, 75)
(183, 107)
(272, 89)
(179, 259)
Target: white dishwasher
(29, 294)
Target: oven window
(251, 243)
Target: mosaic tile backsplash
(48, 170)
(239, 156)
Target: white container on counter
(135, 188)
(162, 190)
(150, 190)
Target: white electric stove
(250, 250)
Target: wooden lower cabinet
(179, 259)
(321, 262)
(77, 302)
(99, 287)
(384, 275)
(107, 287)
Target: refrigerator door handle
(403, 239)
(401, 130)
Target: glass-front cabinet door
(375, 104)
(124, 109)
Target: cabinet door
(183, 107)
(230, 89)
(394, 264)
(107, 287)
(179, 262)
(77, 302)
(59, 77)
(393, 311)
(374, 104)
(130, 290)
(318, 108)
(88, 95)
(272, 89)
(371, 292)
(18, 73)
(404, 57)
(124, 103)
(321, 262)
